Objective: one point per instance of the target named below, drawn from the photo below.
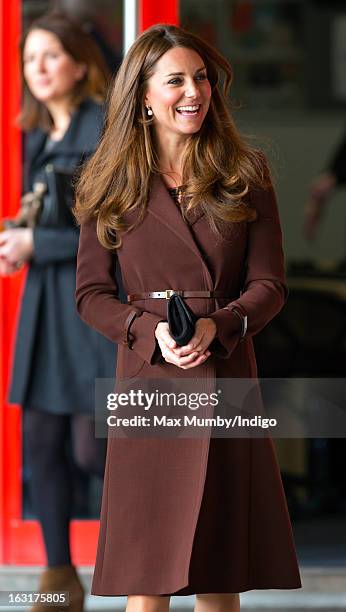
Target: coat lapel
(34, 143)
(165, 210)
(80, 138)
(83, 132)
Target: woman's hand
(205, 333)
(192, 354)
(16, 245)
(320, 191)
(6, 269)
(322, 186)
(169, 349)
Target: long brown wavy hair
(219, 167)
(82, 48)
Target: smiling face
(179, 92)
(50, 72)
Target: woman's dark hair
(219, 167)
(82, 48)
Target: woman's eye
(199, 77)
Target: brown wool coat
(154, 527)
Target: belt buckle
(169, 293)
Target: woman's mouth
(189, 111)
(42, 83)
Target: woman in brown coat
(180, 201)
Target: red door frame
(21, 541)
(9, 287)
(157, 11)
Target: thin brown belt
(167, 293)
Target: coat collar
(80, 137)
(162, 206)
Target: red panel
(157, 11)
(9, 287)
(26, 543)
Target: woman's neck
(61, 112)
(170, 154)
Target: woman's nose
(40, 64)
(191, 90)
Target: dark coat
(57, 356)
(156, 535)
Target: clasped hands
(16, 247)
(192, 354)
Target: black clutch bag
(181, 320)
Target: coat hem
(242, 589)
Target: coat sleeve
(97, 299)
(53, 245)
(265, 290)
(337, 164)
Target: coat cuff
(144, 342)
(228, 330)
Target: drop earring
(150, 110)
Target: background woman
(183, 515)
(322, 188)
(57, 356)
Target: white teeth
(188, 108)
